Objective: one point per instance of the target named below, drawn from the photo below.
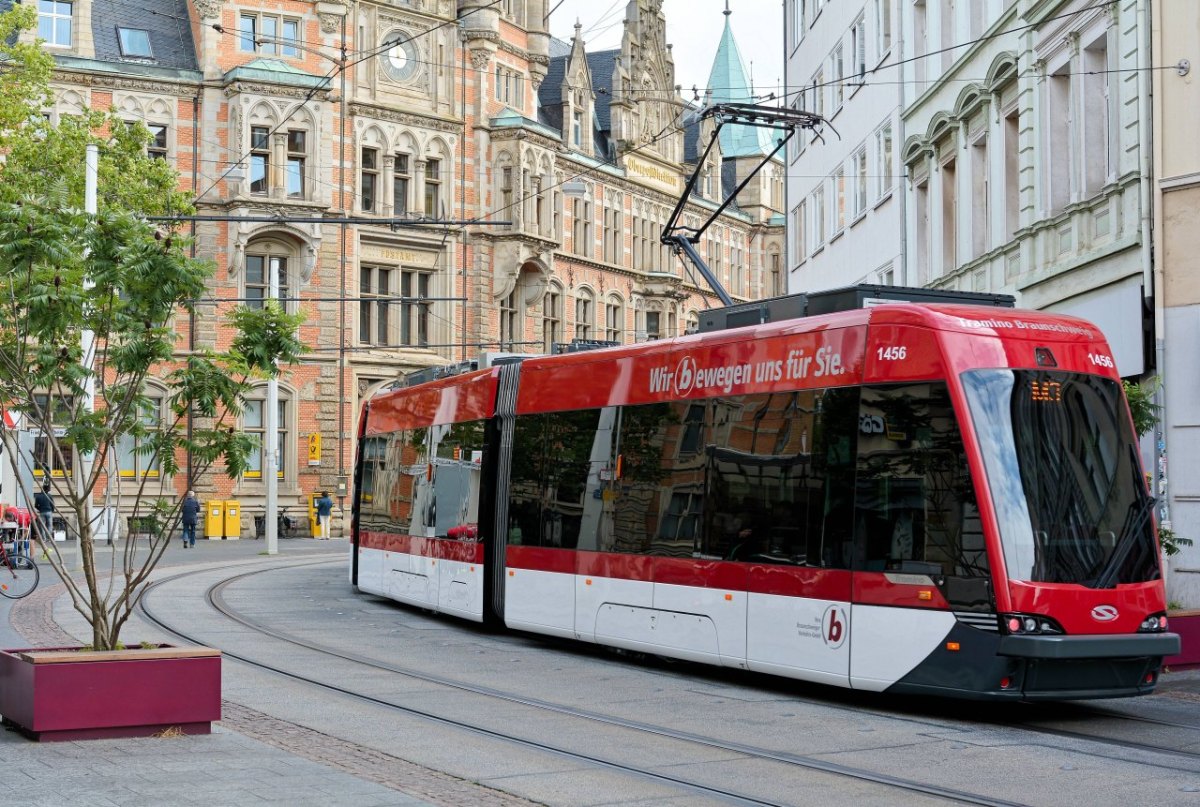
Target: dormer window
(135, 43)
(577, 128)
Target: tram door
(919, 551)
(780, 483)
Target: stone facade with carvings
(394, 114)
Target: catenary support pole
(270, 448)
(88, 345)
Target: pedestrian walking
(44, 505)
(324, 513)
(190, 511)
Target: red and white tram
(939, 499)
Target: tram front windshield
(1063, 469)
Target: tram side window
(915, 500)
(779, 472)
(457, 456)
(392, 465)
(372, 450)
(423, 482)
(654, 498)
(551, 467)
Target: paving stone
(250, 758)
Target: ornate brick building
(283, 116)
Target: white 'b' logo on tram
(685, 375)
(1104, 613)
(833, 626)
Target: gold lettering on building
(409, 257)
(654, 174)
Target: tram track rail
(215, 597)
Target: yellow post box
(233, 520)
(314, 526)
(214, 520)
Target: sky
(694, 28)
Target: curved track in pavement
(215, 597)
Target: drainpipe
(191, 471)
(787, 161)
(1152, 275)
(462, 181)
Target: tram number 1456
(893, 353)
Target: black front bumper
(990, 666)
(1137, 645)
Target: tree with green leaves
(1145, 413)
(120, 278)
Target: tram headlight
(1155, 623)
(1030, 624)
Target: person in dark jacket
(190, 511)
(44, 505)
(324, 514)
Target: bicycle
(285, 525)
(19, 575)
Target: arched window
(266, 255)
(254, 423)
(132, 463)
(614, 319)
(653, 322)
(281, 163)
(552, 316)
(56, 410)
(510, 320)
(585, 311)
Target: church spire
(729, 83)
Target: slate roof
(691, 138)
(6, 5)
(559, 47)
(166, 21)
(167, 24)
(601, 65)
(550, 90)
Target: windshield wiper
(1135, 523)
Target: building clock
(399, 61)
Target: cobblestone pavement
(250, 758)
(263, 752)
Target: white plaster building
(1027, 155)
(1036, 162)
(845, 205)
